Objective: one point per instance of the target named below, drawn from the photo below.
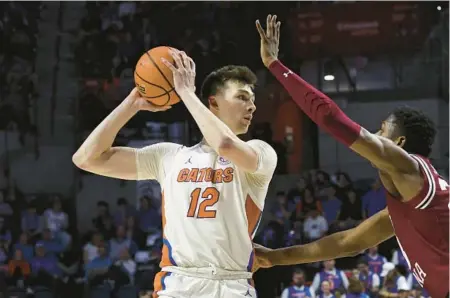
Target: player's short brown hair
(219, 77)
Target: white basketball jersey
(210, 208)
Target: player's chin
(242, 130)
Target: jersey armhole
(425, 196)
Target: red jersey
(422, 231)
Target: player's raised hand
(139, 103)
(183, 71)
(270, 39)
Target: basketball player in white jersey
(213, 192)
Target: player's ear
(213, 102)
(400, 141)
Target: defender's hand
(138, 103)
(263, 256)
(270, 39)
(183, 71)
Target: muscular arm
(96, 154)
(369, 233)
(219, 136)
(381, 152)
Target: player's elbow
(82, 161)
(226, 146)
(78, 160)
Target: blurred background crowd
(72, 234)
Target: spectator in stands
(90, 250)
(331, 206)
(315, 226)
(102, 214)
(18, 270)
(326, 290)
(298, 288)
(374, 200)
(5, 236)
(370, 280)
(343, 183)
(108, 231)
(321, 183)
(351, 212)
(96, 270)
(32, 222)
(69, 262)
(271, 236)
(5, 207)
(337, 278)
(148, 216)
(295, 235)
(120, 243)
(398, 258)
(394, 284)
(134, 233)
(418, 292)
(295, 194)
(25, 247)
(355, 289)
(57, 221)
(127, 265)
(129, 48)
(51, 244)
(44, 267)
(123, 212)
(414, 286)
(307, 204)
(375, 260)
(282, 211)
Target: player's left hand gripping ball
(183, 71)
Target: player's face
(389, 130)
(235, 105)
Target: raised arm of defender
(381, 152)
(96, 154)
(369, 233)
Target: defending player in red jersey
(417, 210)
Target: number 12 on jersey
(210, 197)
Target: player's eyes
(242, 97)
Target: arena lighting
(328, 78)
(439, 7)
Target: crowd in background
(18, 79)
(113, 35)
(42, 253)
(320, 204)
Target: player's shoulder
(258, 142)
(262, 146)
(425, 165)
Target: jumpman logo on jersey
(248, 293)
(287, 73)
(188, 161)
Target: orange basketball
(153, 79)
